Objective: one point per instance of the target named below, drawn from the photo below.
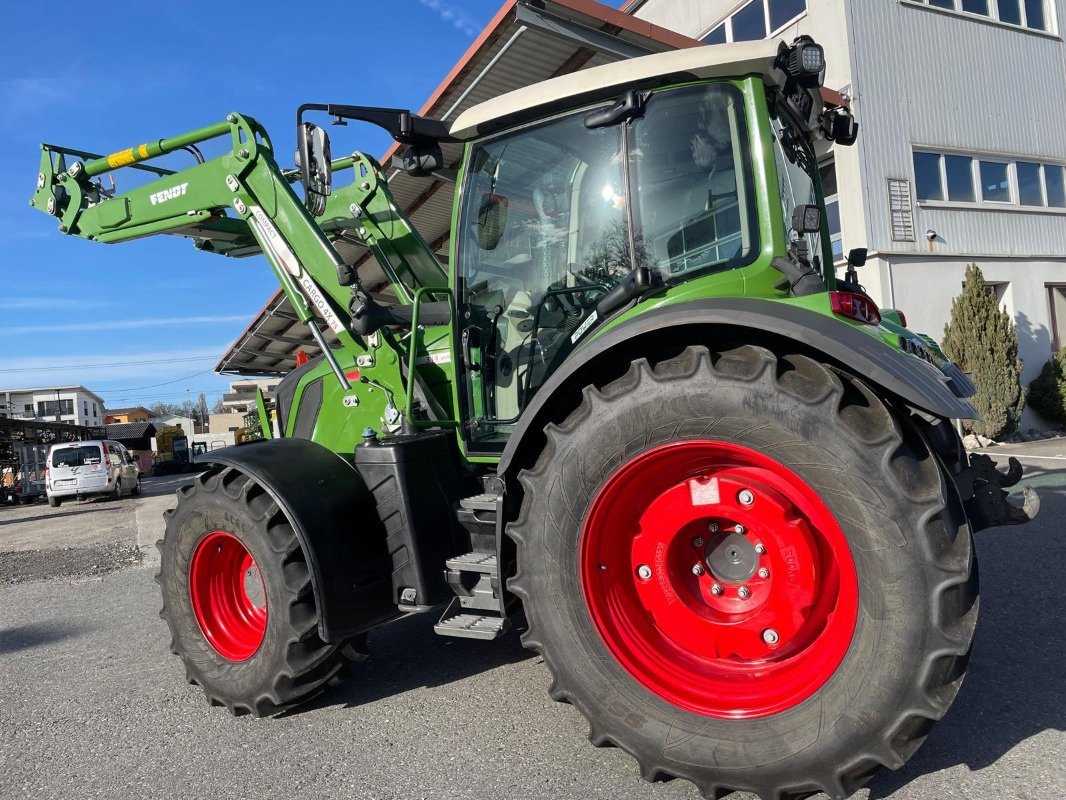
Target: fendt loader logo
(168, 194)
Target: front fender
(336, 522)
(745, 319)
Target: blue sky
(156, 311)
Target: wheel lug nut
(760, 549)
(764, 572)
(743, 592)
(697, 542)
(717, 590)
(713, 527)
(745, 497)
(644, 572)
(697, 570)
(740, 529)
(770, 636)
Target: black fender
(336, 522)
(745, 319)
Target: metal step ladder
(476, 612)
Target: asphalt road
(93, 705)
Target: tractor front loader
(636, 416)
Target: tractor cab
(648, 182)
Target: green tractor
(635, 416)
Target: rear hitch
(982, 487)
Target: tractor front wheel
(747, 571)
(238, 600)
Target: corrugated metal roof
(130, 430)
(524, 43)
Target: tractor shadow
(1014, 689)
(88, 507)
(26, 637)
(407, 654)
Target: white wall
(924, 288)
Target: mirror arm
(401, 124)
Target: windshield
(76, 456)
(546, 231)
(796, 169)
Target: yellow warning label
(121, 158)
(142, 151)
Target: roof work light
(803, 62)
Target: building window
(47, 408)
(969, 179)
(755, 20)
(94, 410)
(1021, 13)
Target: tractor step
(480, 502)
(474, 562)
(454, 622)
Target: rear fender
(336, 523)
(738, 320)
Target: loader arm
(241, 197)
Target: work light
(804, 62)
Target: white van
(80, 469)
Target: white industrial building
(961, 146)
(74, 405)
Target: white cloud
(47, 303)
(453, 15)
(121, 324)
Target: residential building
(117, 416)
(240, 399)
(229, 422)
(74, 405)
(961, 149)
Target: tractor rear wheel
(745, 570)
(238, 600)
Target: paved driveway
(93, 705)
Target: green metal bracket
(412, 365)
(266, 430)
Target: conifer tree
(981, 339)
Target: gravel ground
(82, 538)
(93, 706)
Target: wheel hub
(228, 596)
(719, 579)
(731, 558)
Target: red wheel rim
(228, 596)
(720, 623)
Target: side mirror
(857, 256)
(491, 221)
(313, 158)
(421, 161)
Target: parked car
(82, 469)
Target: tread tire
(55, 502)
(904, 523)
(292, 664)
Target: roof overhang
(526, 42)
